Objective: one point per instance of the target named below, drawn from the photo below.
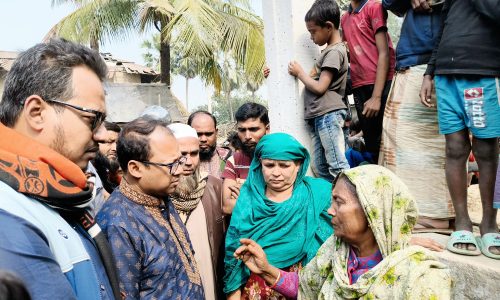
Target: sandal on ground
(489, 240)
(462, 237)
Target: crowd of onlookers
(157, 210)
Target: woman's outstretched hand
(426, 243)
(255, 259)
(253, 256)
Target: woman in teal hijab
(280, 208)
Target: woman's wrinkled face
(279, 175)
(348, 218)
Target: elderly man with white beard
(198, 200)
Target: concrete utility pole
(286, 38)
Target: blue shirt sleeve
(398, 7)
(127, 258)
(24, 251)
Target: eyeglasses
(98, 117)
(173, 166)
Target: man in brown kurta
(197, 199)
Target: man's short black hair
(201, 112)
(110, 126)
(323, 11)
(46, 70)
(133, 141)
(12, 287)
(252, 110)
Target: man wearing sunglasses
(150, 243)
(51, 112)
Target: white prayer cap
(157, 112)
(182, 130)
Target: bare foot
(468, 227)
(490, 229)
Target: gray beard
(187, 184)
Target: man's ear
(34, 113)
(135, 169)
(268, 128)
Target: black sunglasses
(173, 166)
(98, 117)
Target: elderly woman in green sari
(281, 208)
(369, 256)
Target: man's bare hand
(372, 107)
(426, 91)
(266, 71)
(421, 6)
(235, 191)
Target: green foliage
(151, 55)
(220, 107)
(203, 29)
(179, 65)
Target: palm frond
(244, 39)
(98, 20)
(151, 11)
(195, 25)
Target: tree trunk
(94, 44)
(209, 105)
(228, 99)
(164, 57)
(187, 94)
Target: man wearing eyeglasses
(151, 245)
(197, 199)
(51, 112)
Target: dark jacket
(470, 39)
(419, 33)
(216, 227)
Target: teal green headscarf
(289, 232)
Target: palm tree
(204, 28)
(184, 66)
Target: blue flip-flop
(462, 237)
(489, 240)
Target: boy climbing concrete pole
(324, 109)
(466, 71)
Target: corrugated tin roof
(114, 64)
(7, 59)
